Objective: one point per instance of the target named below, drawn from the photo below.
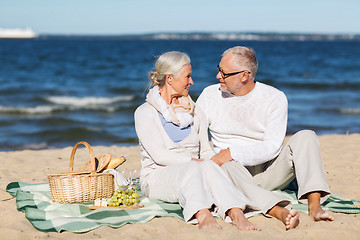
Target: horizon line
(213, 36)
(198, 32)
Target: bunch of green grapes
(126, 197)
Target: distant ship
(17, 33)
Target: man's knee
(306, 136)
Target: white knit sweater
(158, 150)
(252, 126)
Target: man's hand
(222, 157)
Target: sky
(118, 17)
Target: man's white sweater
(253, 126)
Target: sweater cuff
(234, 154)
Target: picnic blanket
(35, 201)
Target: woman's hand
(222, 157)
(197, 160)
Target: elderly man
(247, 121)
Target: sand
(341, 157)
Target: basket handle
(92, 158)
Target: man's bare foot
(315, 210)
(319, 214)
(206, 220)
(239, 220)
(291, 218)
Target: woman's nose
(191, 82)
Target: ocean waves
(65, 136)
(55, 92)
(67, 103)
(315, 85)
(87, 101)
(350, 111)
(342, 111)
(29, 110)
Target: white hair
(168, 63)
(240, 54)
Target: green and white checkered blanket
(47, 216)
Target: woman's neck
(167, 95)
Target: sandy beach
(341, 157)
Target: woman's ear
(169, 79)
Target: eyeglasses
(225, 75)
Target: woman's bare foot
(239, 220)
(206, 220)
(291, 218)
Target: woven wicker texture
(73, 187)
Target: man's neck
(246, 89)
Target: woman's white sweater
(158, 150)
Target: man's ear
(245, 77)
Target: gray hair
(168, 63)
(240, 54)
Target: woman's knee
(208, 164)
(193, 170)
(230, 166)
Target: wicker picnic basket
(83, 186)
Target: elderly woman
(175, 151)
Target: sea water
(55, 92)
